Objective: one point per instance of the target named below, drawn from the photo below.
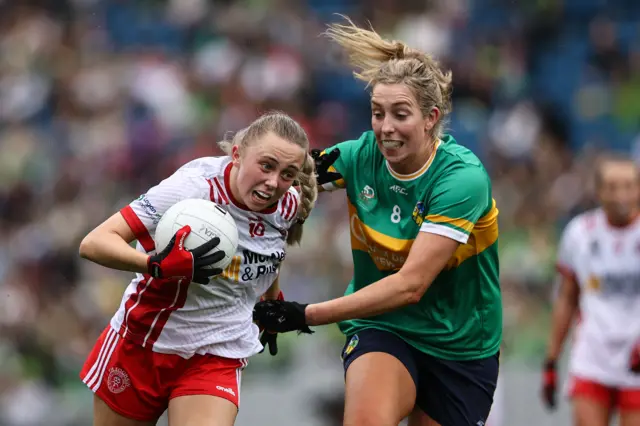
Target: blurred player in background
(599, 266)
(423, 313)
(181, 343)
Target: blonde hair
(391, 62)
(286, 128)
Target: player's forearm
(109, 249)
(563, 312)
(386, 295)
(405, 287)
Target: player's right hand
(549, 384)
(323, 162)
(174, 261)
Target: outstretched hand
(280, 316)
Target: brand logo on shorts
(118, 380)
(352, 345)
(227, 390)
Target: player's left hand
(549, 384)
(634, 365)
(281, 317)
(323, 162)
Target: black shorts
(453, 393)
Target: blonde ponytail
(308, 196)
(377, 60)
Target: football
(207, 220)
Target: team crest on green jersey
(418, 213)
(367, 193)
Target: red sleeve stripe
(179, 296)
(289, 206)
(294, 209)
(138, 228)
(212, 192)
(223, 197)
(283, 204)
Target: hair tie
(399, 51)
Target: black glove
(549, 384)
(177, 262)
(634, 365)
(280, 316)
(323, 162)
(269, 339)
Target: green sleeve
(349, 152)
(456, 203)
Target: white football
(207, 220)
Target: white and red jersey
(189, 318)
(605, 262)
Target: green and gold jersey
(460, 315)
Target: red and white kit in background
(605, 262)
(169, 338)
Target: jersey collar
(417, 173)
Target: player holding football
(182, 333)
(422, 315)
(599, 271)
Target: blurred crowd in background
(101, 99)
